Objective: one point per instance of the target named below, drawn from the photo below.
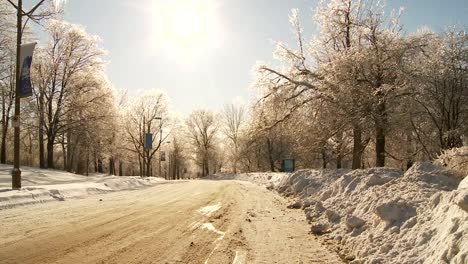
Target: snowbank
(50, 185)
(383, 215)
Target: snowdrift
(382, 215)
(50, 185)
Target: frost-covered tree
(439, 87)
(70, 54)
(148, 113)
(352, 70)
(234, 117)
(7, 72)
(202, 128)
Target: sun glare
(58, 4)
(185, 27)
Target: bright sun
(185, 27)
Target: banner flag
(148, 141)
(25, 66)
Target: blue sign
(25, 78)
(148, 141)
(289, 165)
(25, 69)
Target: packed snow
(382, 215)
(210, 227)
(270, 180)
(209, 209)
(41, 185)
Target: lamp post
(168, 171)
(159, 145)
(16, 172)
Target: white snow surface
(384, 215)
(39, 185)
(268, 179)
(209, 209)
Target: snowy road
(184, 222)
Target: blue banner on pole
(25, 69)
(149, 141)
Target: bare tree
(7, 72)
(147, 114)
(202, 128)
(234, 117)
(70, 51)
(440, 89)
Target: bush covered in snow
(456, 160)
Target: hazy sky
(205, 59)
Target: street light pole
(16, 173)
(169, 175)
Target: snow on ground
(268, 179)
(209, 209)
(41, 185)
(382, 215)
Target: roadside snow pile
(305, 183)
(381, 215)
(49, 185)
(268, 179)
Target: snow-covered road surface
(163, 224)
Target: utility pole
(168, 163)
(16, 173)
(160, 143)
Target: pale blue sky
(248, 30)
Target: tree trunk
(111, 166)
(3, 147)
(324, 158)
(50, 153)
(270, 155)
(148, 168)
(120, 168)
(30, 151)
(99, 166)
(379, 146)
(64, 154)
(380, 135)
(87, 162)
(357, 147)
(42, 164)
(339, 159)
(95, 161)
(140, 165)
(339, 151)
(206, 170)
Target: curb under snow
(60, 192)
